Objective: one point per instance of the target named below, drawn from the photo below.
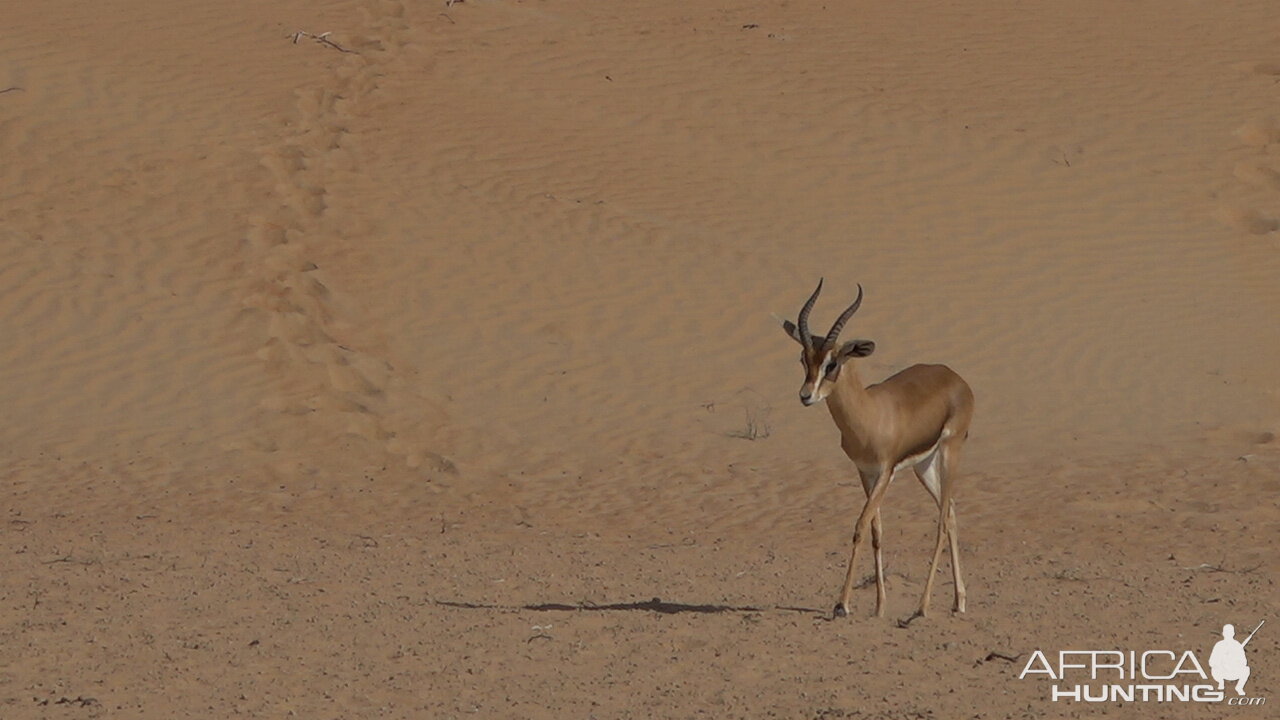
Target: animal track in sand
(1259, 174)
(1265, 68)
(1259, 132)
(313, 338)
(1248, 220)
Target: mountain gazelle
(917, 418)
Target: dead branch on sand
(1220, 569)
(323, 39)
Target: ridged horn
(844, 317)
(802, 321)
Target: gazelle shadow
(656, 605)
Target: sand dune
(311, 333)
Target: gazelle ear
(856, 349)
(792, 331)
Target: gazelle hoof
(839, 611)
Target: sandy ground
(426, 368)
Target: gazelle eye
(831, 367)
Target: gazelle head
(823, 358)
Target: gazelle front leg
(869, 512)
(877, 536)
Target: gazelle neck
(852, 408)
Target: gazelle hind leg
(930, 471)
(933, 565)
(950, 458)
(955, 555)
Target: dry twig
(1220, 569)
(322, 38)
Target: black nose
(804, 397)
